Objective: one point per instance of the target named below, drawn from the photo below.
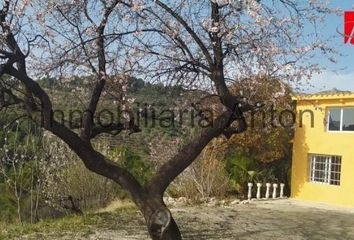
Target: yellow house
(323, 149)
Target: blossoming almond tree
(200, 45)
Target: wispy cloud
(330, 80)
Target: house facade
(323, 149)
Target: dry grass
(116, 205)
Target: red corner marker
(349, 27)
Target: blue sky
(340, 75)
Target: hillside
(157, 98)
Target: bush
(8, 209)
(76, 189)
(205, 178)
(69, 186)
(138, 167)
(243, 168)
(18, 171)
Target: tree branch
(176, 165)
(97, 91)
(114, 129)
(188, 29)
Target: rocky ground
(277, 219)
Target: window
(341, 119)
(325, 169)
(348, 119)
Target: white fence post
(250, 185)
(268, 190)
(259, 185)
(275, 186)
(282, 185)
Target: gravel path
(263, 220)
(280, 219)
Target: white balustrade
(268, 192)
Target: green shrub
(140, 168)
(8, 209)
(243, 168)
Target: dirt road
(281, 219)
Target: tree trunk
(159, 220)
(172, 232)
(19, 210)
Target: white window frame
(327, 169)
(341, 120)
